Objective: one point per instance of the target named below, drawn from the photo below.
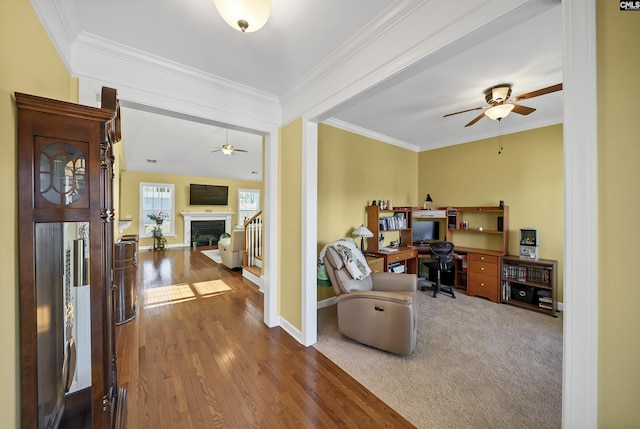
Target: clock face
(61, 179)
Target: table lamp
(362, 232)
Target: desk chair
(441, 260)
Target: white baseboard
(327, 302)
(291, 330)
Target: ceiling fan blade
(240, 150)
(543, 91)
(476, 119)
(522, 110)
(465, 111)
(216, 150)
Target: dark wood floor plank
(205, 359)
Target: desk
(405, 255)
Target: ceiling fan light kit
(500, 111)
(244, 15)
(227, 149)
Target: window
(248, 204)
(157, 199)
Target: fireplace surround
(204, 216)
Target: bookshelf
(397, 222)
(530, 283)
(481, 233)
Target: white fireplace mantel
(191, 216)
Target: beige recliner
(379, 310)
(232, 248)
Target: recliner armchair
(379, 310)
(232, 248)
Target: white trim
(580, 354)
(328, 302)
(253, 279)
(271, 230)
(290, 329)
(334, 122)
(309, 225)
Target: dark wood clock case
(67, 341)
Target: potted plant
(156, 231)
(194, 239)
(158, 218)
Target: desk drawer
(401, 256)
(483, 268)
(479, 257)
(485, 286)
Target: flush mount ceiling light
(244, 15)
(500, 111)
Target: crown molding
(124, 53)
(368, 133)
(382, 23)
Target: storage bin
(522, 293)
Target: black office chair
(441, 260)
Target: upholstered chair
(378, 310)
(232, 248)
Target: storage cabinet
(484, 276)
(530, 284)
(67, 329)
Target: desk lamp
(427, 200)
(362, 232)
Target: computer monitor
(425, 231)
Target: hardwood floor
(198, 355)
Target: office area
(612, 315)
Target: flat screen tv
(425, 231)
(208, 195)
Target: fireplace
(208, 231)
(191, 218)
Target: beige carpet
(476, 365)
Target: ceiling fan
(499, 105)
(227, 149)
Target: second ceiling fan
(227, 149)
(499, 105)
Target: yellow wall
(527, 176)
(618, 74)
(290, 227)
(28, 63)
(353, 170)
(130, 199)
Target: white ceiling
(301, 38)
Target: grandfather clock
(67, 329)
